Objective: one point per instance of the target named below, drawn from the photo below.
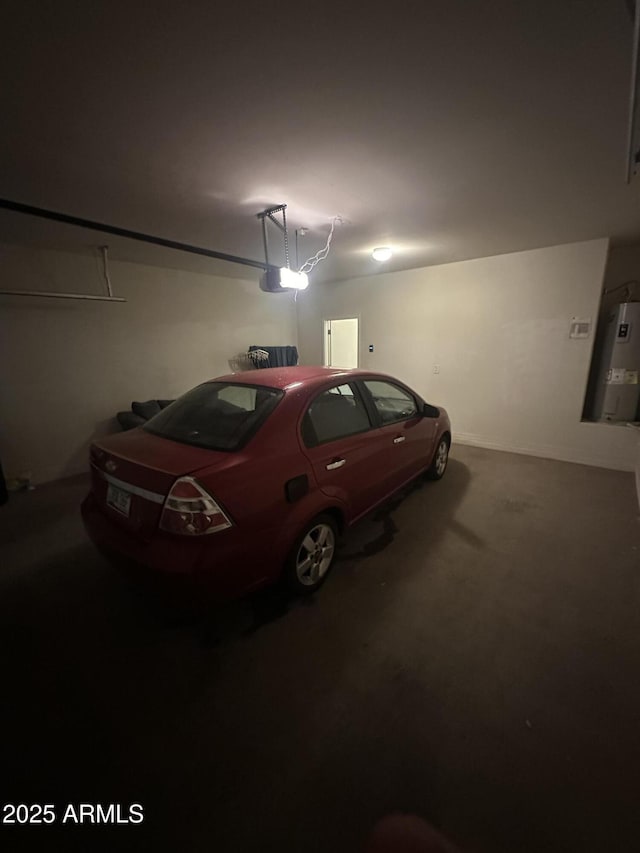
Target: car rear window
(216, 415)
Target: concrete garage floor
(474, 659)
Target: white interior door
(341, 342)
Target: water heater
(618, 389)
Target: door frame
(325, 336)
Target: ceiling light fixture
(382, 253)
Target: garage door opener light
(280, 280)
(381, 253)
(277, 280)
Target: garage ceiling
(449, 130)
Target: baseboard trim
(543, 452)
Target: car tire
(312, 556)
(438, 465)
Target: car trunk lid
(132, 474)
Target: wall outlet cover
(580, 327)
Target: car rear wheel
(439, 465)
(312, 556)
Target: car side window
(392, 402)
(334, 414)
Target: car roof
(286, 377)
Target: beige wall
(67, 366)
(498, 330)
(496, 327)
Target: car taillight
(189, 510)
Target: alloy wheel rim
(441, 459)
(315, 554)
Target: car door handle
(398, 439)
(337, 463)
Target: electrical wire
(311, 262)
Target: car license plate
(118, 499)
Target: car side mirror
(429, 411)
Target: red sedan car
(253, 475)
